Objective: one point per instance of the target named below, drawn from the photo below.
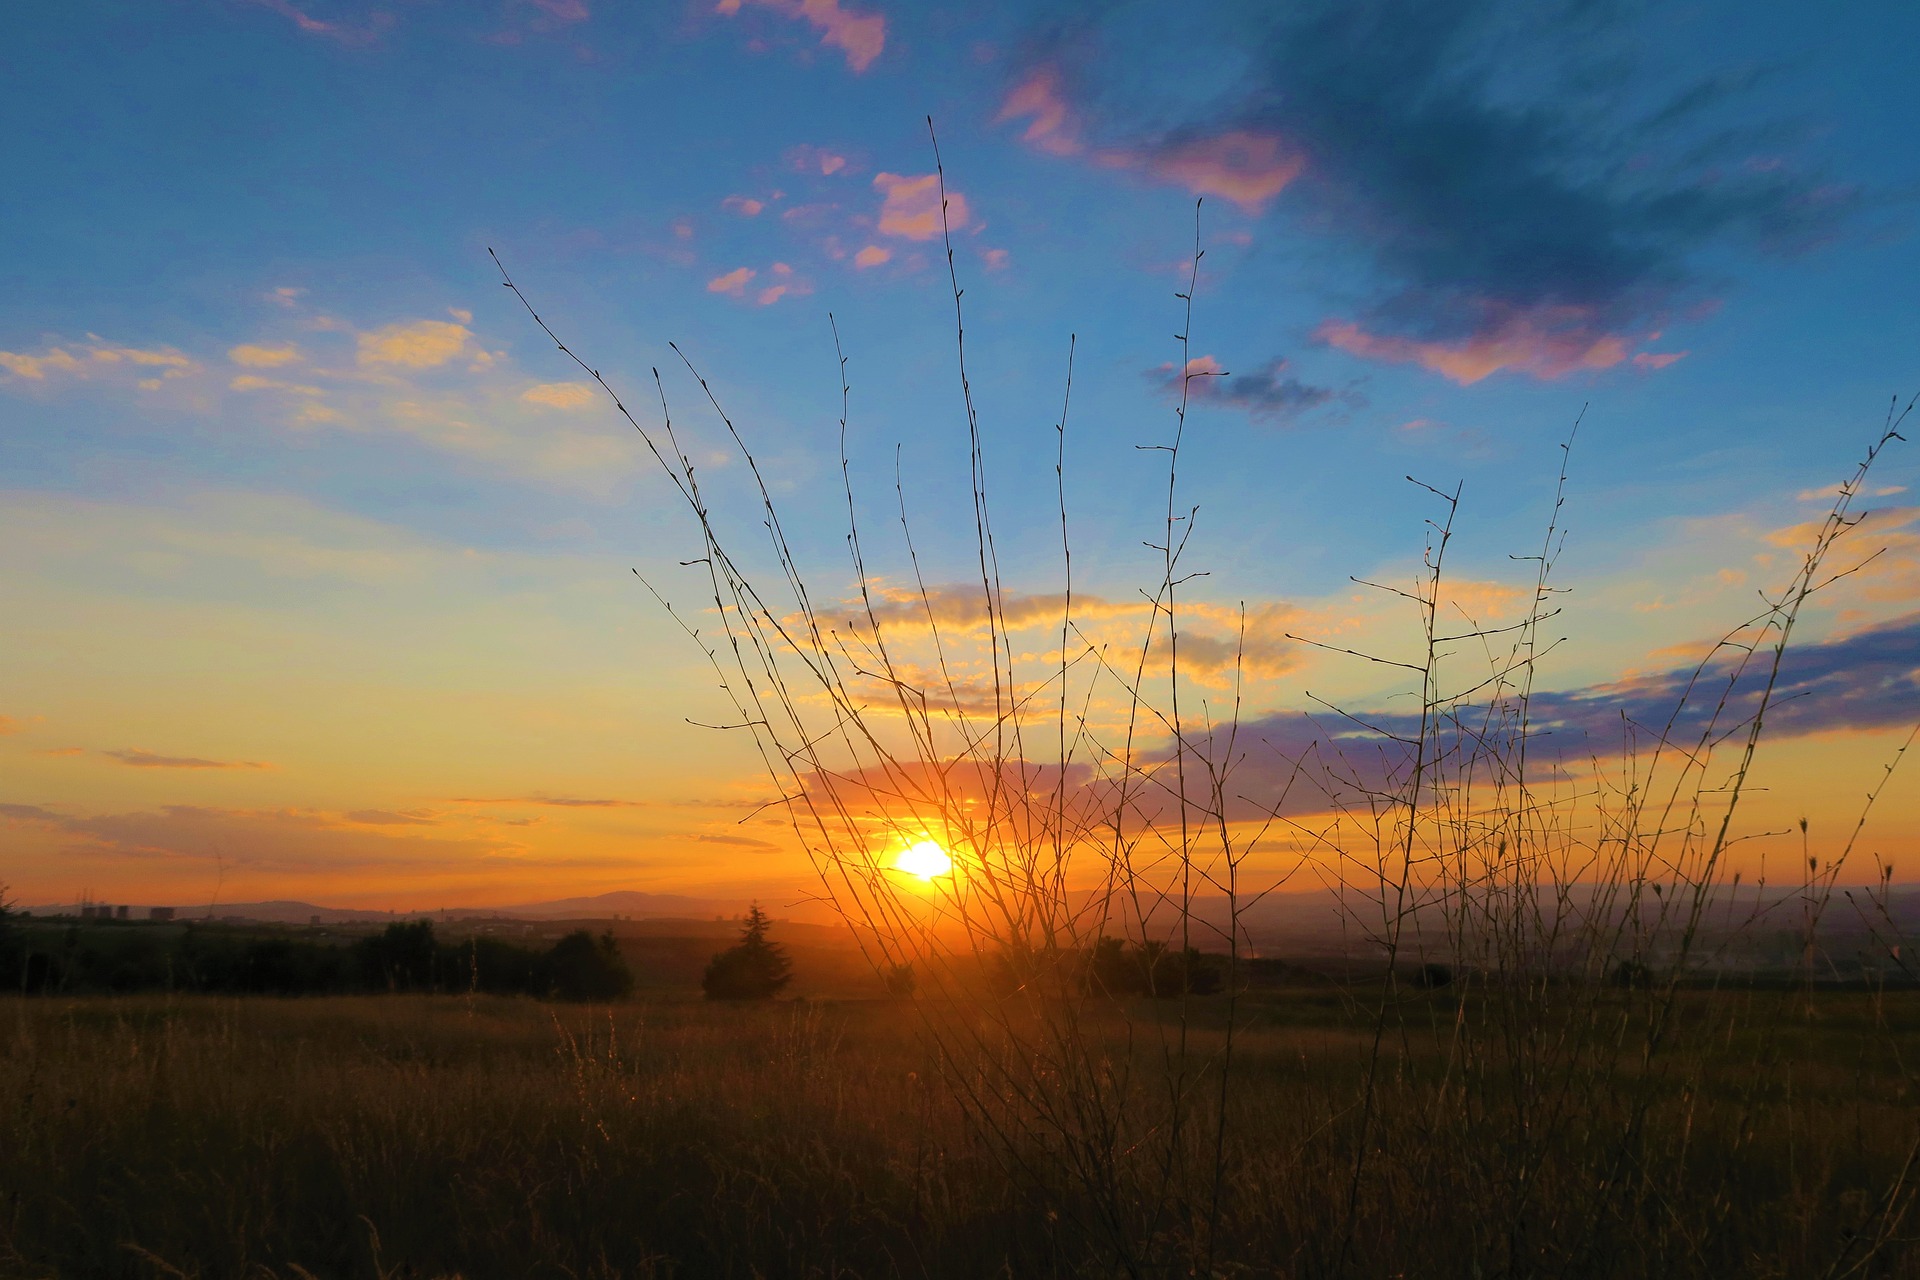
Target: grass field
(440, 1135)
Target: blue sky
(293, 482)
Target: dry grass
(438, 1136)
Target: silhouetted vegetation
(752, 969)
(61, 957)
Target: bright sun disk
(925, 859)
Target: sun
(925, 860)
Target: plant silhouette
(751, 969)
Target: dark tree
(752, 969)
(583, 967)
(398, 959)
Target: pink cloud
(745, 206)
(1244, 167)
(1052, 127)
(996, 259)
(912, 206)
(565, 10)
(312, 26)
(871, 256)
(1658, 359)
(811, 159)
(1240, 165)
(733, 282)
(1547, 343)
(861, 36)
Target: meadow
(434, 1136)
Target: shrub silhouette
(751, 969)
(583, 967)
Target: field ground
(424, 1136)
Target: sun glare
(925, 860)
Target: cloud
(1544, 345)
(1244, 166)
(253, 382)
(97, 358)
(255, 356)
(392, 818)
(745, 206)
(810, 159)
(302, 840)
(996, 259)
(558, 802)
(559, 395)
(140, 759)
(343, 33)
(861, 36)
(1268, 393)
(733, 282)
(9, 726)
(565, 10)
(911, 208)
(872, 256)
(285, 296)
(1510, 225)
(415, 344)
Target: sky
(318, 560)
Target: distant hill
(605, 906)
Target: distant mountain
(624, 902)
(603, 906)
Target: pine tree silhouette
(751, 969)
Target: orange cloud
(252, 382)
(810, 159)
(252, 356)
(745, 206)
(788, 285)
(83, 361)
(733, 282)
(421, 344)
(8, 725)
(1521, 342)
(861, 36)
(1244, 167)
(149, 760)
(36, 368)
(911, 209)
(1240, 165)
(1052, 127)
(559, 395)
(871, 256)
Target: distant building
(159, 913)
(121, 912)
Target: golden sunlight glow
(925, 859)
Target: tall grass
(1529, 1117)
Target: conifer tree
(753, 968)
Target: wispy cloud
(141, 759)
(364, 32)
(861, 36)
(251, 355)
(97, 358)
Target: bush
(752, 969)
(583, 967)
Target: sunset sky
(316, 557)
